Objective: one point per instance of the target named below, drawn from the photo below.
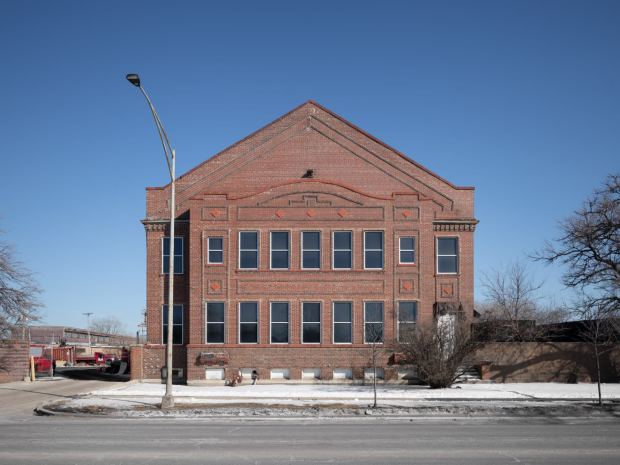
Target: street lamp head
(134, 79)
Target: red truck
(98, 358)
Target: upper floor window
(279, 250)
(342, 257)
(177, 324)
(343, 317)
(311, 250)
(407, 316)
(214, 333)
(248, 322)
(216, 250)
(311, 323)
(373, 322)
(447, 255)
(373, 250)
(279, 322)
(406, 250)
(248, 250)
(178, 255)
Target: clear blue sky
(520, 99)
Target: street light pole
(88, 314)
(167, 401)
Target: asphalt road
(28, 439)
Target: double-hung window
(177, 324)
(279, 250)
(248, 250)
(311, 250)
(373, 250)
(178, 255)
(447, 255)
(279, 322)
(311, 323)
(342, 257)
(215, 246)
(407, 316)
(373, 322)
(248, 322)
(214, 333)
(343, 316)
(406, 251)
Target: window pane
(405, 331)
(373, 311)
(178, 246)
(215, 333)
(279, 240)
(166, 263)
(311, 259)
(342, 240)
(406, 243)
(312, 311)
(374, 332)
(279, 311)
(407, 256)
(342, 312)
(446, 264)
(166, 246)
(279, 332)
(249, 240)
(215, 312)
(374, 259)
(312, 333)
(216, 243)
(216, 256)
(407, 311)
(249, 259)
(342, 259)
(279, 259)
(342, 332)
(249, 311)
(248, 333)
(178, 264)
(177, 334)
(374, 240)
(312, 240)
(446, 245)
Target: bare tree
(19, 293)
(441, 350)
(108, 325)
(590, 246)
(511, 307)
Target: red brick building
(297, 246)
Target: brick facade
(14, 360)
(310, 170)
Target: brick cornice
(468, 225)
(157, 224)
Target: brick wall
(14, 364)
(547, 362)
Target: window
(279, 322)
(342, 257)
(214, 333)
(373, 322)
(178, 255)
(373, 249)
(177, 324)
(279, 250)
(407, 250)
(342, 322)
(216, 250)
(311, 250)
(311, 323)
(248, 250)
(248, 322)
(447, 255)
(407, 316)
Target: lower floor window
(248, 322)
(373, 322)
(311, 317)
(407, 316)
(343, 316)
(279, 322)
(177, 324)
(214, 333)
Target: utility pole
(88, 314)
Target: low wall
(561, 362)
(14, 364)
(147, 360)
